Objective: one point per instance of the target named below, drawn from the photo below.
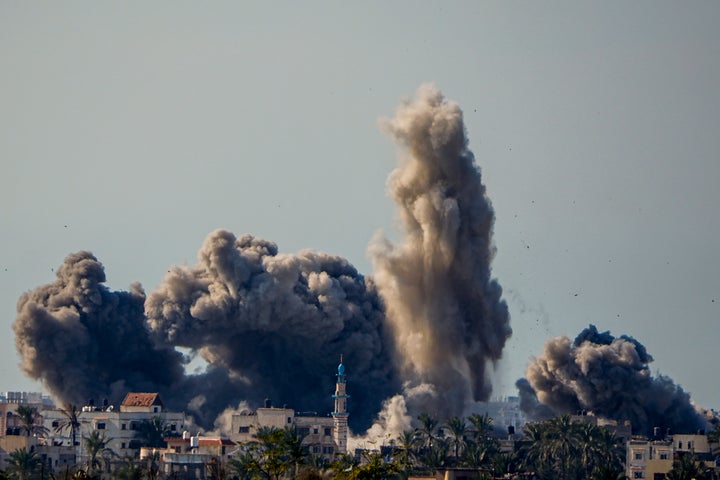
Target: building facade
(325, 436)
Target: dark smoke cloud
(610, 377)
(444, 308)
(84, 341)
(277, 324)
(420, 336)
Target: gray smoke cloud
(611, 377)
(446, 312)
(84, 341)
(277, 323)
(418, 336)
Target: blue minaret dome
(341, 369)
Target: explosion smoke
(445, 311)
(278, 323)
(273, 325)
(84, 341)
(610, 377)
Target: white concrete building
(119, 426)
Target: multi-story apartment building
(653, 458)
(119, 426)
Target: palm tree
(23, 464)
(292, 443)
(688, 467)
(70, 422)
(95, 444)
(30, 420)
(564, 443)
(406, 442)
(152, 432)
(458, 429)
(482, 425)
(427, 429)
(244, 465)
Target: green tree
(406, 451)
(71, 421)
(95, 444)
(152, 432)
(458, 429)
(482, 425)
(375, 467)
(23, 464)
(426, 432)
(31, 421)
(688, 467)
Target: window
(123, 426)
(327, 431)
(289, 420)
(173, 427)
(315, 430)
(244, 430)
(122, 445)
(316, 449)
(638, 455)
(663, 456)
(638, 475)
(155, 409)
(55, 424)
(690, 445)
(223, 450)
(100, 426)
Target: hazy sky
(133, 129)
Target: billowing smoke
(610, 377)
(419, 336)
(277, 323)
(445, 310)
(84, 341)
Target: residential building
(653, 458)
(189, 456)
(119, 426)
(325, 436)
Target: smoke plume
(84, 341)
(445, 311)
(610, 377)
(277, 323)
(418, 336)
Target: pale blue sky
(133, 129)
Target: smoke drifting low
(610, 377)
(418, 336)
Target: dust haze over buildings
(271, 324)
